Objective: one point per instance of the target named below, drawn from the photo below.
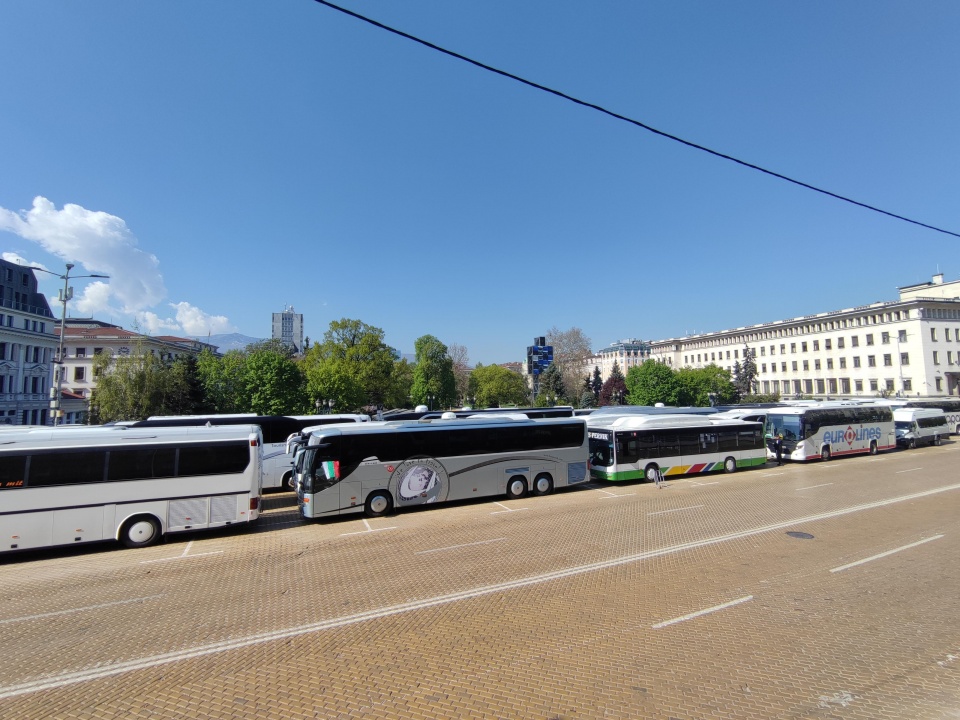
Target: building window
(793, 347)
(826, 345)
(871, 360)
(794, 365)
(885, 338)
(97, 351)
(816, 344)
(891, 385)
(78, 373)
(858, 385)
(904, 358)
(816, 364)
(907, 385)
(763, 367)
(874, 385)
(808, 387)
(803, 347)
(829, 363)
(933, 334)
(888, 360)
(773, 349)
(869, 338)
(843, 363)
(936, 358)
(81, 352)
(854, 341)
(806, 365)
(783, 366)
(902, 336)
(949, 357)
(845, 386)
(939, 384)
(763, 349)
(783, 349)
(820, 387)
(839, 343)
(856, 361)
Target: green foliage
(696, 385)
(275, 384)
(399, 386)
(760, 398)
(596, 384)
(358, 350)
(224, 382)
(614, 391)
(433, 374)
(550, 388)
(495, 386)
(652, 382)
(745, 373)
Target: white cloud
(102, 244)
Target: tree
(697, 385)
(596, 384)
(332, 378)
(274, 383)
(614, 390)
(361, 352)
(745, 373)
(551, 389)
(400, 385)
(571, 348)
(433, 374)
(185, 394)
(495, 386)
(223, 381)
(652, 382)
(461, 371)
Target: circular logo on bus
(849, 435)
(420, 481)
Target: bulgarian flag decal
(331, 468)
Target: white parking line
(663, 512)
(183, 556)
(811, 487)
(885, 554)
(457, 547)
(506, 509)
(368, 530)
(910, 470)
(24, 618)
(700, 613)
(700, 484)
(107, 669)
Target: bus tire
(730, 465)
(378, 504)
(287, 482)
(913, 444)
(516, 487)
(936, 440)
(543, 484)
(651, 472)
(140, 531)
(825, 453)
(873, 447)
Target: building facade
(28, 347)
(624, 353)
(85, 338)
(905, 347)
(287, 327)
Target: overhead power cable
(618, 116)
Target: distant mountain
(229, 341)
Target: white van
(916, 426)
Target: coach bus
(635, 447)
(277, 460)
(381, 466)
(135, 485)
(950, 407)
(827, 430)
(534, 413)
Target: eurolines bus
(66, 487)
(376, 467)
(827, 430)
(634, 447)
(277, 459)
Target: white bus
(384, 465)
(635, 447)
(920, 426)
(950, 407)
(65, 487)
(828, 430)
(277, 460)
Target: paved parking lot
(820, 591)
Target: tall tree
(551, 389)
(400, 385)
(275, 383)
(224, 381)
(614, 390)
(745, 373)
(363, 353)
(698, 385)
(495, 386)
(571, 348)
(652, 382)
(461, 371)
(596, 384)
(433, 380)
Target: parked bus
(827, 430)
(277, 461)
(65, 487)
(950, 407)
(634, 447)
(534, 413)
(919, 426)
(652, 410)
(377, 467)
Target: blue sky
(221, 160)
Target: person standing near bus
(778, 446)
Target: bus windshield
(787, 425)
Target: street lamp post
(56, 404)
(430, 399)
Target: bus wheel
(873, 447)
(651, 472)
(378, 504)
(730, 465)
(287, 481)
(825, 453)
(516, 487)
(543, 484)
(913, 444)
(140, 531)
(936, 439)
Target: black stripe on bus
(124, 503)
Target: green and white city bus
(634, 447)
(378, 466)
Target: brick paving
(555, 610)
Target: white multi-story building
(86, 338)
(624, 353)
(28, 347)
(288, 328)
(909, 346)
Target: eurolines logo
(849, 436)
